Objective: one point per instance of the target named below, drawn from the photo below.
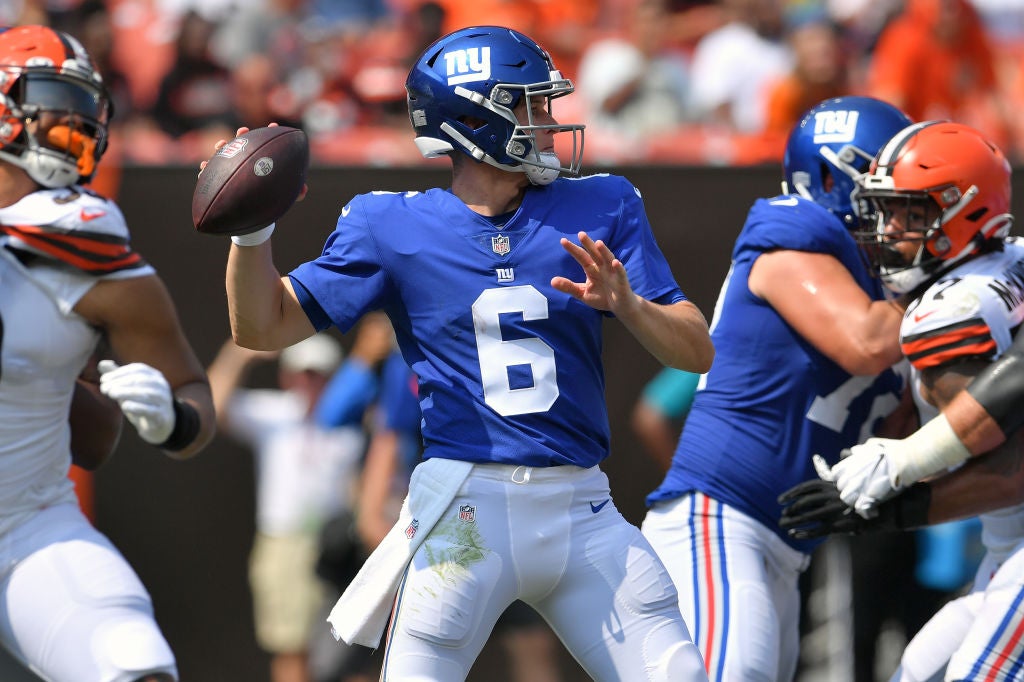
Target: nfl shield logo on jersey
(410, 531)
(467, 513)
(500, 245)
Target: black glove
(813, 509)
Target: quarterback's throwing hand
(144, 395)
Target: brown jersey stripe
(90, 252)
(971, 338)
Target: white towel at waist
(361, 614)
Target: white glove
(876, 470)
(868, 474)
(144, 396)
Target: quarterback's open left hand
(866, 475)
(144, 396)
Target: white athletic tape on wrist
(932, 448)
(254, 238)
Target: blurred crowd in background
(658, 81)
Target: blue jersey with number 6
(509, 368)
(771, 400)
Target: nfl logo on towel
(410, 531)
(467, 513)
(500, 245)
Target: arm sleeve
(671, 392)
(1000, 388)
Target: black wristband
(186, 427)
(908, 510)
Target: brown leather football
(251, 181)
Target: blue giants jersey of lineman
(771, 400)
(509, 368)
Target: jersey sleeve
(635, 246)
(951, 323)
(789, 222)
(349, 278)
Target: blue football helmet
(837, 139)
(462, 92)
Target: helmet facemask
(541, 167)
(53, 124)
(918, 252)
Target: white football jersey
(54, 246)
(971, 312)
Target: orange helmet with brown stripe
(953, 183)
(54, 108)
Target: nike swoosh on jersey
(86, 215)
(918, 318)
(345, 211)
(597, 507)
(784, 202)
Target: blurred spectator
(733, 66)
(347, 395)
(935, 61)
(304, 475)
(191, 96)
(690, 20)
(660, 411)
(379, 133)
(270, 27)
(633, 87)
(563, 27)
(819, 73)
(258, 96)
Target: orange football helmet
(54, 108)
(954, 179)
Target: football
(251, 181)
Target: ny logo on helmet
(835, 126)
(469, 65)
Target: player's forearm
(973, 425)
(676, 334)
(255, 293)
(986, 483)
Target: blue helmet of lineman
(462, 92)
(833, 145)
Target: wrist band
(254, 238)
(186, 427)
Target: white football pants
(71, 608)
(553, 538)
(738, 587)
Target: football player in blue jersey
(805, 340)
(497, 288)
